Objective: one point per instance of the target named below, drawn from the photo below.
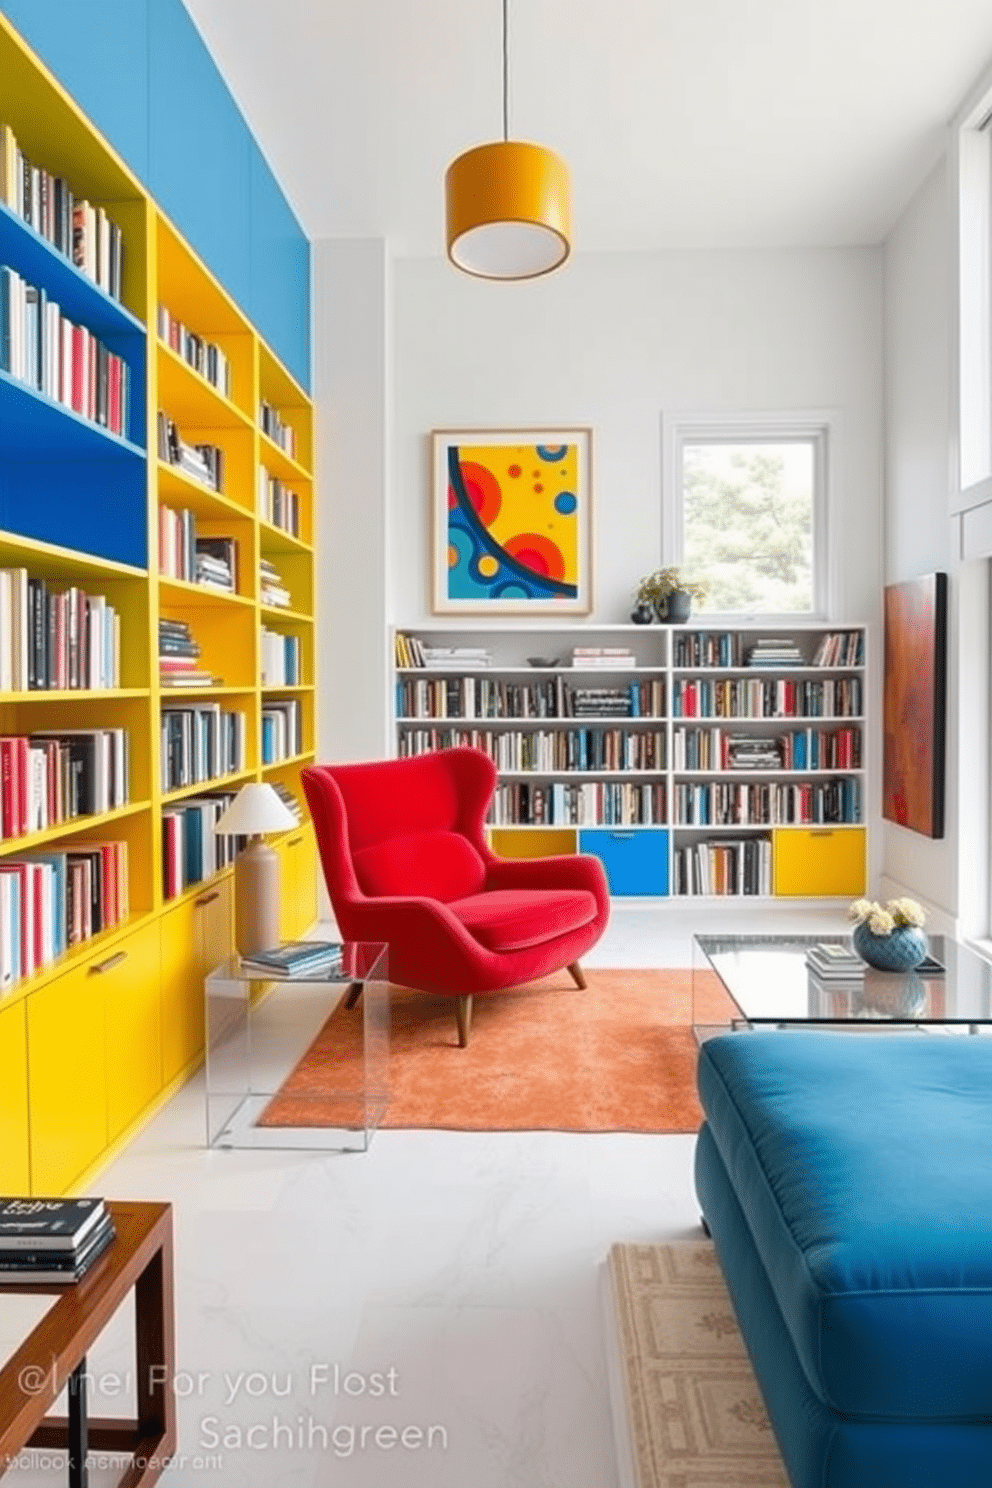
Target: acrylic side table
(259, 1029)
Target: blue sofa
(846, 1179)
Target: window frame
(818, 427)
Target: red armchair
(406, 861)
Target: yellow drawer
(544, 842)
(15, 1173)
(132, 1007)
(196, 936)
(297, 883)
(813, 861)
(67, 1079)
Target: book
(295, 958)
(829, 961)
(57, 1266)
(48, 1224)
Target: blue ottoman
(847, 1182)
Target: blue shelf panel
(280, 272)
(92, 505)
(33, 426)
(39, 262)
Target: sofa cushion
(429, 865)
(862, 1166)
(512, 919)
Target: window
(747, 516)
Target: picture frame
(511, 521)
(915, 704)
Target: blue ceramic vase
(903, 949)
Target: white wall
(950, 874)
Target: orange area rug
(619, 1056)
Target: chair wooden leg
(578, 976)
(354, 993)
(463, 1012)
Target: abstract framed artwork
(915, 701)
(512, 531)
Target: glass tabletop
(765, 979)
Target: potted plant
(670, 593)
(890, 938)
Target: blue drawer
(635, 858)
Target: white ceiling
(686, 123)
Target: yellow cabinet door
(15, 1171)
(196, 936)
(133, 1011)
(67, 1079)
(531, 842)
(812, 861)
(297, 884)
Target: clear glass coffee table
(278, 1074)
(750, 981)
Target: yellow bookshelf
(126, 1005)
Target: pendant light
(507, 206)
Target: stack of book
(282, 730)
(601, 702)
(201, 743)
(191, 849)
(203, 356)
(775, 651)
(832, 962)
(217, 563)
(751, 752)
(178, 655)
(280, 659)
(316, 958)
(271, 589)
(201, 462)
(46, 1240)
(83, 233)
(610, 658)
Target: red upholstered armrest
(576, 871)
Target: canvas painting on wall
(915, 694)
(512, 522)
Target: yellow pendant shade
(507, 210)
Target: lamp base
(256, 898)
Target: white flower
(881, 922)
(907, 912)
(861, 909)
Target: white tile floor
(444, 1285)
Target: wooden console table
(53, 1356)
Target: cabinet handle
(109, 964)
(621, 836)
(206, 899)
(821, 833)
(294, 841)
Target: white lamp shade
(255, 809)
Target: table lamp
(256, 809)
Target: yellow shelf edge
(201, 384)
(292, 759)
(77, 694)
(193, 891)
(173, 475)
(269, 446)
(297, 617)
(71, 557)
(31, 841)
(271, 529)
(223, 596)
(205, 787)
(75, 956)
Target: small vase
(676, 607)
(901, 950)
(643, 613)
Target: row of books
(277, 503)
(782, 697)
(601, 803)
(410, 652)
(742, 867)
(280, 659)
(282, 731)
(49, 778)
(52, 640)
(203, 356)
(191, 849)
(50, 901)
(732, 649)
(52, 1240)
(201, 743)
(281, 433)
(535, 749)
(47, 351)
(552, 697)
(800, 749)
(271, 589)
(198, 560)
(80, 231)
(201, 462)
(727, 804)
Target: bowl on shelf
(542, 661)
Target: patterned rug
(618, 1056)
(695, 1416)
